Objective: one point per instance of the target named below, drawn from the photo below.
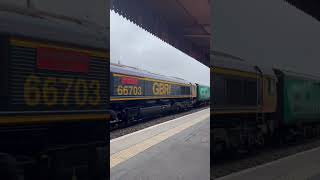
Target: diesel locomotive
(136, 94)
(53, 120)
(252, 105)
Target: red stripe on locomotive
(129, 81)
(62, 60)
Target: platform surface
(301, 166)
(175, 150)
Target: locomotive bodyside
(269, 93)
(127, 84)
(194, 91)
(244, 102)
(51, 93)
(136, 93)
(235, 87)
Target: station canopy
(184, 24)
(310, 7)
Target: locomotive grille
(31, 88)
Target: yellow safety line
(150, 79)
(51, 118)
(124, 155)
(33, 44)
(158, 97)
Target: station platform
(177, 149)
(301, 166)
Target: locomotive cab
(244, 102)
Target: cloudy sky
(134, 46)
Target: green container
(203, 93)
(301, 99)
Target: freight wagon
(138, 94)
(299, 98)
(203, 94)
(252, 104)
(53, 121)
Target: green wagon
(299, 98)
(203, 93)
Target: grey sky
(133, 46)
(268, 32)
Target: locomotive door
(259, 89)
(259, 114)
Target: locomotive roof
(232, 62)
(299, 75)
(202, 85)
(122, 69)
(46, 28)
